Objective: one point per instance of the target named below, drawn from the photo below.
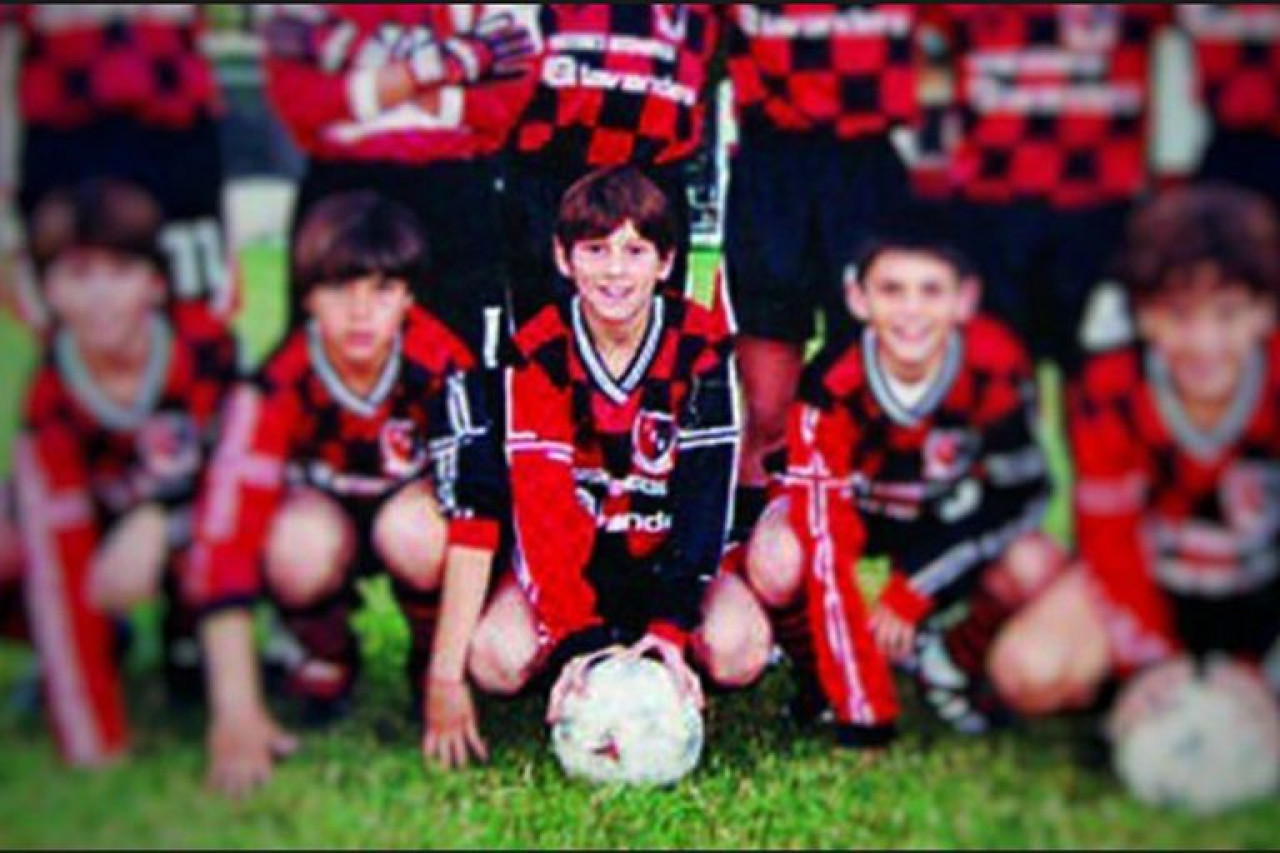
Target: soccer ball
(629, 725)
(1200, 740)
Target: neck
(908, 373)
(360, 377)
(617, 343)
(1206, 415)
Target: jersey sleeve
(74, 640)
(555, 534)
(1110, 494)
(469, 475)
(240, 494)
(854, 674)
(702, 485)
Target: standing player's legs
(310, 549)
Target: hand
(242, 751)
(895, 636)
(673, 659)
(573, 680)
(453, 735)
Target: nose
(615, 263)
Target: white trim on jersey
(365, 407)
(103, 409)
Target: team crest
(947, 454)
(403, 455)
(169, 446)
(1089, 27)
(1250, 495)
(653, 443)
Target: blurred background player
(1054, 103)
(413, 101)
(913, 442)
(119, 419)
(818, 87)
(124, 90)
(1176, 444)
(363, 444)
(620, 83)
(621, 437)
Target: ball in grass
(1200, 738)
(629, 725)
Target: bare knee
(410, 536)
(735, 640)
(130, 562)
(775, 559)
(310, 544)
(503, 649)
(1031, 565)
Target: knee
(497, 663)
(734, 642)
(410, 537)
(130, 562)
(308, 549)
(1030, 566)
(1031, 676)
(775, 561)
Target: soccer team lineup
(603, 470)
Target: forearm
(231, 664)
(466, 581)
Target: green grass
(363, 784)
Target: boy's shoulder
(992, 347)
(432, 345)
(837, 372)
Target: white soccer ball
(1204, 741)
(630, 724)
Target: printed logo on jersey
(1250, 495)
(169, 446)
(653, 443)
(1089, 27)
(402, 454)
(947, 454)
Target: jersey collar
(106, 411)
(365, 407)
(618, 390)
(1202, 444)
(899, 412)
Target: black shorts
(798, 206)
(1247, 625)
(1248, 159)
(182, 169)
(531, 203)
(1044, 272)
(457, 204)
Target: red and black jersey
(83, 62)
(849, 69)
(82, 461)
(321, 57)
(1166, 509)
(1054, 100)
(621, 485)
(297, 423)
(1237, 48)
(941, 486)
(621, 83)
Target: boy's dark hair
(99, 213)
(1172, 239)
(600, 203)
(912, 228)
(350, 235)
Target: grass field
(362, 784)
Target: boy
(362, 443)
(622, 436)
(915, 443)
(1176, 446)
(118, 423)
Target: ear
(855, 297)
(970, 297)
(562, 259)
(1267, 316)
(668, 264)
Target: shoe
(323, 690)
(967, 705)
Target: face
(102, 297)
(1205, 333)
(616, 276)
(913, 301)
(359, 319)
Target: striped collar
(899, 412)
(365, 407)
(1202, 444)
(86, 390)
(618, 390)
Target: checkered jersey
(82, 460)
(621, 83)
(1054, 100)
(1237, 47)
(942, 487)
(297, 423)
(1164, 507)
(81, 62)
(845, 68)
(621, 485)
